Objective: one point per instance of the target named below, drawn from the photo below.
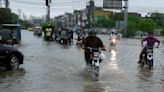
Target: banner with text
(112, 4)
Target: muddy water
(51, 67)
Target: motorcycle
(95, 59)
(113, 42)
(39, 33)
(147, 58)
(63, 41)
(79, 41)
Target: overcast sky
(38, 8)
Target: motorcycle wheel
(150, 64)
(96, 73)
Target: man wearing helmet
(91, 41)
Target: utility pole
(0, 3)
(7, 3)
(90, 12)
(48, 11)
(125, 17)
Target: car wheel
(13, 63)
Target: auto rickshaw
(15, 29)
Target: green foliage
(132, 25)
(162, 32)
(118, 16)
(163, 23)
(147, 25)
(15, 18)
(135, 19)
(132, 28)
(5, 16)
(25, 24)
(105, 22)
(45, 25)
(157, 18)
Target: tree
(105, 22)
(45, 25)
(135, 19)
(5, 16)
(118, 16)
(147, 25)
(132, 28)
(15, 18)
(157, 18)
(163, 23)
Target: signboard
(112, 4)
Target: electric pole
(48, 11)
(7, 3)
(0, 3)
(125, 18)
(90, 12)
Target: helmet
(92, 33)
(112, 33)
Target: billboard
(112, 4)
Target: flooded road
(51, 67)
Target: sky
(58, 7)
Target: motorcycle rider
(80, 36)
(112, 37)
(91, 41)
(48, 33)
(63, 35)
(151, 40)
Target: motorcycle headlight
(113, 40)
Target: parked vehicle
(14, 37)
(10, 57)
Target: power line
(43, 7)
(32, 4)
(55, 3)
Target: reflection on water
(113, 55)
(145, 79)
(113, 60)
(145, 74)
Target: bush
(162, 32)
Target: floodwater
(51, 67)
